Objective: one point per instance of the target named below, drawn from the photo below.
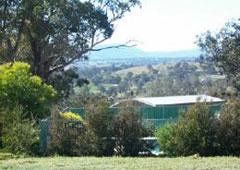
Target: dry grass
(114, 163)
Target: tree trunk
(39, 67)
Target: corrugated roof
(173, 100)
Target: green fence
(43, 126)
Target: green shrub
(229, 128)
(166, 138)
(70, 140)
(20, 136)
(128, 130)
(100, 122)
(194, 133)
(73, 142)
(19, 87)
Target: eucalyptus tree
(52, 34)
(223, 50)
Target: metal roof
(173, 100)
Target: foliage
(52, 34)
(183, 78)
(223, 49)
(128, 130)
(71, 116)
(99, 120)
(166, 138)
(19, 87)
(70, 140)
(83, 96)
(64, 82)
(73, 142)
(193, 133)
(20, 136)
(7, 156)
(2, 117)
(229, 128)
(107, 126)
(175, 78)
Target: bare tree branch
(114, 46)
(80, 55)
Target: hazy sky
(166, 25)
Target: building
(159, 110)
(155, 111)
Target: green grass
(114, 163)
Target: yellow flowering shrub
(71, 116)
(19, 87)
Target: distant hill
(136, 56)
(127, 52)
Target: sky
(172, 25)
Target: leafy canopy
(51, 34)
(223, 50)
(19, 87)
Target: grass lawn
(113, 163)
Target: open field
(143, 69)
(163, 67)
(114, 163)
